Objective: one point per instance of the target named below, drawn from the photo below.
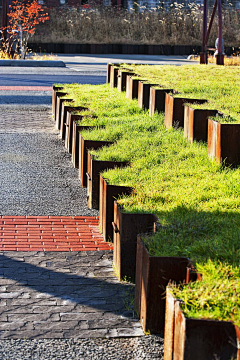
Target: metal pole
(211, 22)
(205, 16)
(220, 56)
(203, 54)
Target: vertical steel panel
(107, 195)
(94, 169)
(203, 339)
(84, 145)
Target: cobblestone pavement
(64, 295)
(55, 305)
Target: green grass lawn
(196, 200)
(218, 84)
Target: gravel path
(37, 178)
(147, 347)
(36, 173)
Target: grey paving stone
(46, 303)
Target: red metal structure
(206, 32)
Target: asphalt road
(84, 69)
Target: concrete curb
(33, 63)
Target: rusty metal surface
(113, 76)
(69, 130)
(200, 339)
(94, 168)
(192, 274)
(107, 195)
(169, 326)
(108, 73)
(157, 100)
(138, 277)
(65, 109)
(144, 94)
(75, 144)
(186, 121)
(84, 145)
(122, 80)
(59, 101)
(238, 341)
(125, 240)
(179, 333)
(230, 144)
(223, 142)
(131, 88)
(156, 274)
(54, 99)
(196, 123)
(174, 110)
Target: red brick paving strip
(51, 233)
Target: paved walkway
(51, 233)
(56, 277)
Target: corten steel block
(59, 96)
(174, 110)
(196, 123)
(131, 88)
(63, 121)
(84, 146)
(107, 195)
(122, 80)
(157, 100)
(200, 339)
(144, 94)
(54, 97)
(94, 168)
(109, 66)
(108, 73)
(169, 325)
(59, 115)
(113, 76)
(75, 143)
(69, 129)
(223, 142)
(126, 228)
(153, 274)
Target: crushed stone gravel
(148, 347)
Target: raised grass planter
(60, 98)
(157, 100)
(113, 76)
(153, 274)
(94, 168)
(64, 123)
(56, 89)
(174, 110)
(75, 142)
(126, 227)
(196, 123)
(69, 129)
(187, 339)
(131, 88)
(122, 79)
(144, 94)
(84, 146)
(107, 195)
(223, 142)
